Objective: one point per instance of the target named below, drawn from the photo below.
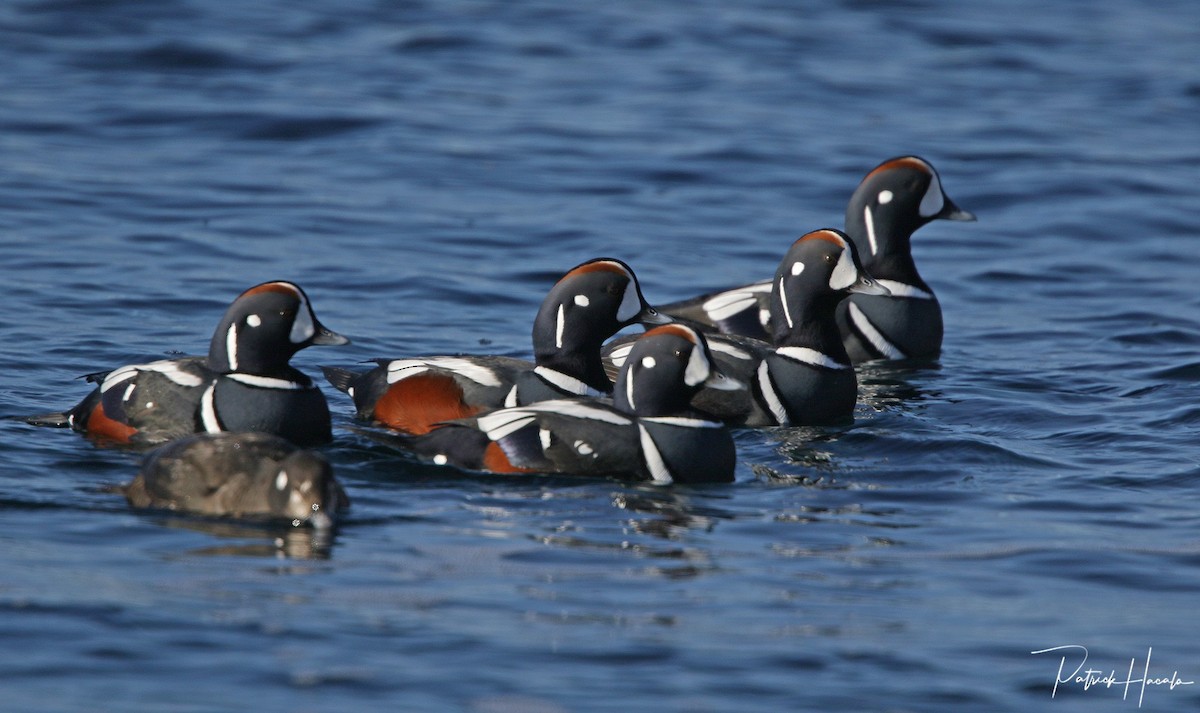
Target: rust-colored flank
(414, 405)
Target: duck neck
(230, 352)
(884, 244)
(812, 325)
(558, 346)
(646, 401)
(579, 364)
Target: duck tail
(58, 419)
(341, 379)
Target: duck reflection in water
(276, 541)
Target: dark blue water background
(427, 169)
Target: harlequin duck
(244, 384)
(804, 376)
(589, 304)
(241, 475)
(892, 201)
(649, 431)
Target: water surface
(427, 170)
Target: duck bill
(328, 337)
(867, 285)
(720, 382)
(651, 317)
(950, 211)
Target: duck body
(803, 375)
(789, 386)
(890, 204)
(239, 475)
(895, 199)
(647, 432)
(245, 383)
(590, 303)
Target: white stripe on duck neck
(811, 356)
(900, 289)
(873, 335)
(567, 383)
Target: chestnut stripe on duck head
(666, 367)
(264, 327)
(818, 271)
(934, 203)
(590, 303)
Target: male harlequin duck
(589, 304)
(892, 201)
(804, 376)
(241, 475)
(649, 431)
(244, 384)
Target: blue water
(427, 169)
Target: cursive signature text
(1089, 678)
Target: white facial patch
(648, 362)
(797, 268)
(304, 327)
(631, 304)
(885, 197)
(698, 369)
(582, 300)
(281, 480)
(584, 449)
(845, 273)
(441, 459)
(933, 201)
(296, 506)
(253, 321)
